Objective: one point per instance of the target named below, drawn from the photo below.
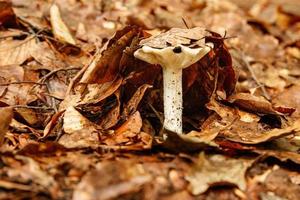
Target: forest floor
(81, 118)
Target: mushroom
(172, 59)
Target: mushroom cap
(194, 37)
(172, 57)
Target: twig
(254, 77)
(157, 114)
(32, 107)
(79, 74)
(247, 64)
(44, 78)
(73, 80)
(185, 23)
(22, 82)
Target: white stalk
(172, 61)
(172, 80)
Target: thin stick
(185, 23)
(22, 82)
(79, 74)
(254, 77)
(44, 78)
(32, 107)
(263, 89)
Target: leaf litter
(82, 118)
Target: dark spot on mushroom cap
(177, 49)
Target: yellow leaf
(60, 30)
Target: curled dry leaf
(59, 28)
(136, 98)
(248, 128)
(217, 170)
(106, 67)
(95, 93)
(254, 133)
(130, 134)
(257, 104)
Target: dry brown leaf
(130, 135)
(49, 128)
(247, 128)
(16, 52)
(33, 118)
(186, 143)
(7, 15)
(127, 131)
(112, 117)
(5, 119)
(59, 28)
(79, 131)
(11, 73)
(11, 185)
(105, 67)
(290, 97)
(257, 104)
(283, 156)
(97, 92)
(18, 94)
(133, 103)
(49, 59)
(254, 133)
(279, 182)
(117, 178)
(217, 170)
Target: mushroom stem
(172, 60)
(172, 83)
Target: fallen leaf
(253, 133)
(16, 52)
(95, 93)
(6, 117)
(283, 156)
(285, 99)
(117, 178)
(257, 104)
(59, 28)
(136, 98)
(217, 170)
(105, 66)
(79, 131)
(50, 58)
(130, 134)
(279, 183)
(7, 15)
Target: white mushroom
(172, 60)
